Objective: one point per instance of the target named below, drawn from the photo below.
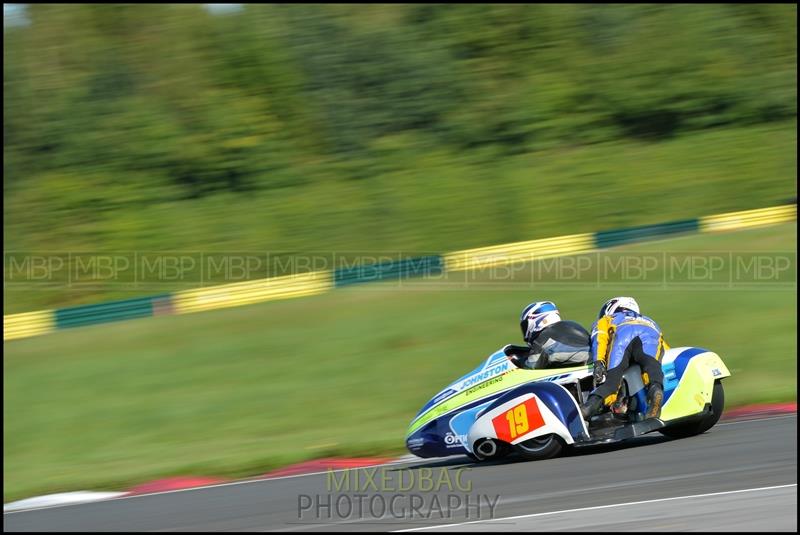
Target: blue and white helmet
(536, 317)
(615, 304)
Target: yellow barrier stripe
(772, 216)
(499, 255)
(787, 208)
(748, 218)
(28, 324)
(543, 242)
(501, 260)
(257, 291)
(251, 292)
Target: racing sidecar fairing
(499, 408)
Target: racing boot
(655, 396)
(591, 406)
(620, 407)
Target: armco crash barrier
(141, 307)
(28, 324)
(526, 251)
(243, 293)
(397, 269)
(610, 238)
(749, 218)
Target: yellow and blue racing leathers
(622, 339)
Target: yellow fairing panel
(695, 387)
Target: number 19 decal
(518, 420)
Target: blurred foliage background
(385, 127)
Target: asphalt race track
(741, 475)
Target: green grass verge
(418, 200)
(239, 391)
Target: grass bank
(419, 199)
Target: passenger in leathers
(621, 337)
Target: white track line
(61, 498)
(595, 507)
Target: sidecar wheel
(538, 448)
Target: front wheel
(705, 423)
(544, 447)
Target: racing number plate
(518, 420)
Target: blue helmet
(536, 317)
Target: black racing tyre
(544, 447)
(707, 422)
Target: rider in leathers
(551, 341)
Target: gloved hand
(599, 372)
(517, 355)
(511, 350)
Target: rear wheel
(705, 423)
(544, 447)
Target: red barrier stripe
(307, 467)
(321, 465)
(762, 409)
(174, 483)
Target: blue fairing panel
(673, 371)
(445, 435)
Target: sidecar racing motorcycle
(501, 408)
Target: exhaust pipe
(487, 448)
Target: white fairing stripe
(672, 353)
